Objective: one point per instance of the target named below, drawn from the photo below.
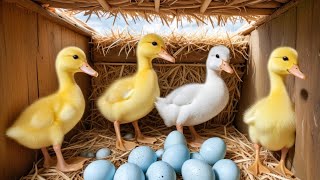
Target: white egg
(195, 169)
(99, 170)
(226, 169)
(176, 155)
(212, 150)
(159, 153)
(142, 156)
(103, 153)
(129, 171)
(161, 170)
(196, 155)
(175, 137)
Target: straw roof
(168, 10)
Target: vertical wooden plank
(307, 156)
(49, 46)
(18, 83)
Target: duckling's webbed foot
(281, 168)
(197, 139)
(73, 164)
(120, 143)
(257, 167)
(140, 137)
(125, 145)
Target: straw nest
(168, 10)
(239, 149)
(180, 45)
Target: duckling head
(72, 60)
(219, 59)
(152, 46)
(284, 61)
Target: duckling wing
(183, 95)
(120, 90)
(42, 118)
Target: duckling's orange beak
(226, 67)
(294, 70)
(86, 68)
(166, 56)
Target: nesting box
(33, 32)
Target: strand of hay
(167, 11)
(178, 44)
(239, 149)
(170, 77)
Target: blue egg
(159, 153)
(99, 170)
(175, 137)
(226, 169)
(128, 136)
(129, 171)
(103, 153)
(212, 150)
(142, 156)
(197, 169)
(196, 155)
(176, 155)
(161, 170)
(87, 154)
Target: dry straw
(239, 149)
(179, 44)
(201, 11)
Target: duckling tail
(168, 112)
(14, 132)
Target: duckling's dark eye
(285, 58)
(217, 56)
(75, 57)
(154, 43)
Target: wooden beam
(269, 4)
(157, 5)
(51, 16)
(104, 4)
(274, 15)
(204, 5)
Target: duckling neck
(212, 75)
(65, 79)
(144, 63)
(277, 84)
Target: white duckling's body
(193, 104)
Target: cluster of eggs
(164, 164)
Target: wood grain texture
(307, 156)
(18, 83)
(29, 44)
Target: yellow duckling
(131, 98)
(46, 121)
(271, 120)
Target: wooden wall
(298, 28)
(29, 43)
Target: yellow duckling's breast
(144, 94)
(274, 123)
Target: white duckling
(193, 104)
